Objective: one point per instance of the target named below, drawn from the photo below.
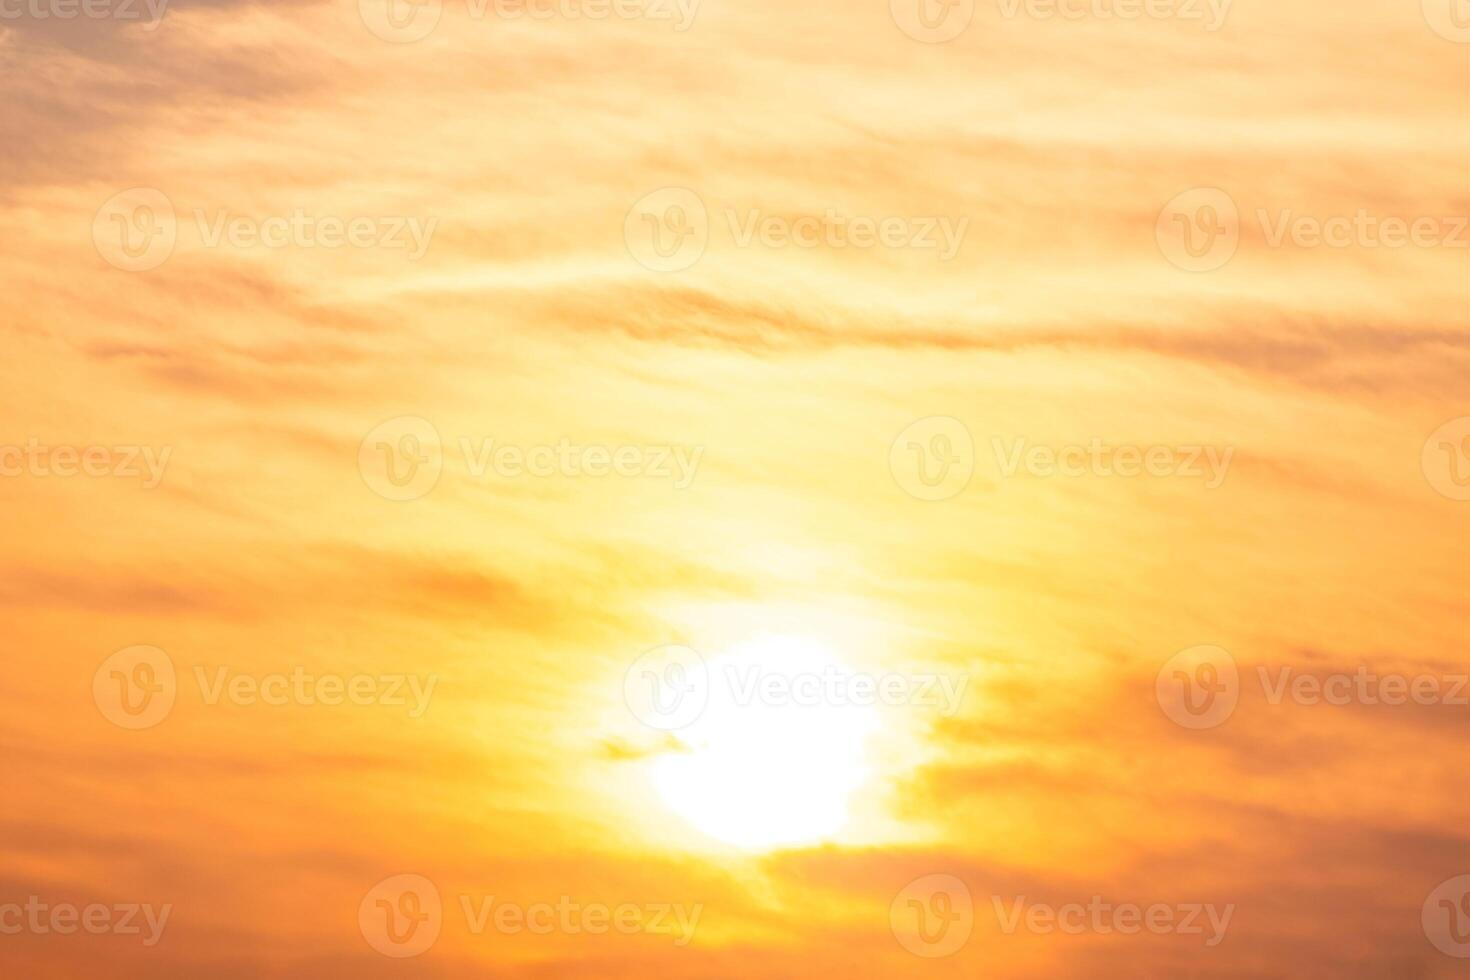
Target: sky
(705, 488)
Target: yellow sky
(497, 369)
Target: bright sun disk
(763, 770)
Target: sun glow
(774, 758)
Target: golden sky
(713, 488)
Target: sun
(778, 752)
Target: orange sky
(405, 390)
